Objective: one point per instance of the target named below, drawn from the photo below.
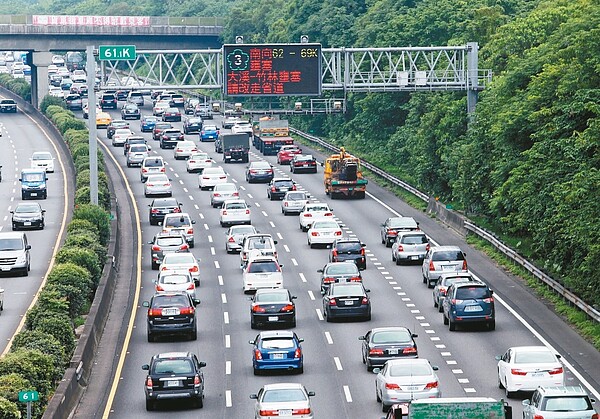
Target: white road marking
(430, 332)
(294, 262)
(227, 367)
(184, 189)
(201, 216)
(220, 278)
(227, 341)
(206, 227)
(451, 362)
(287, 249)
(212, 251)
(257, 204)
(446, 354)
(319, 314)
(265, 213)
(463, 380)
(249, 195)
(425, 324)
(242, 188)
(302, 277)
(329, 338)
(226, 317)
(338, 363)
(196, 206)
(217, 264)
(279, 236)
(441, 346)
(271, 223)
(210, 239)
(435, 339)
(470, 390)
(228, 398)
(224, 298)
(311, 295)
(347, 393)
(415, 311)
(457, 371)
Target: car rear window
(448, 255)
(169, 241)
(177, 221)
(296, 197)
(272, 297)
(170, 301)
(175, 279)
(414, 239)
(342, 269)
(470, 293)
(347, 290)
(277, 343)
(348, 247)
(263, 266)
(534, 357)
(410, 370)
(175, 258)
(391, 336)
(259, 243)
(154, 163)
(287, 395)
(236, 205)
(283, 183)
(173, 366)
(566, 404)
(317, 208)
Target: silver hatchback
(442, 259)
(410, 246)
(294, 201)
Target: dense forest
(527, 162)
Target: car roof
(407, 361)
(261, 258)
(164, 201)
(276, 334)
(389, 329)
(172, 355)
(444, 248)
(530, 348)
(11, 234)
(562, 391)
(462, 284)
(283, 386)
(281, 179)
(177, 214)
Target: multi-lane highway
(333, 367)
(21, 136)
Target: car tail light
(555, 371)
(162, 169)
(376, 352)
(297, 353)
(159, 287)
(258, 309)
(149, 383)
(235, 194)
(197, 380)
(400, 248)
(391, 232)
(433, 384)
(149, 184)
(427, 247)
(455, 301)
(431, 266)
(179, 150)
(314, 233)
(328, 214)
(184, 247)
(594, 416)
(247, 211)
(464, 265)
(144, 170)
(307, 215)
(411, 350)
(305, 411)
(293, 187)
(231, 240)
(191, 286)
(365, 300)
(273, 189)
(515, 371)
(154, 312)
(392, 386)
(176, 209)
(488, 300)
(356, 279)
(338, 233)
(541, 417)
(334, 253)
(224, 212)
(222, 177)
(285, 204)
(442, 290)
(287, 308)
(257, 354)
(194, 269)
(268, 412)
(216, 194)
(328, 280)
(155, 248)
(190, 231)
(362, 251)
(186, 310)
(332, 302)
(253, 171)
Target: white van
(14, 253)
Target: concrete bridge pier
(39, 76)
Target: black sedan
(171, 114)
(273, 307)
(303, 163)
(174, 376)
(160, 207)
(348, 249)
(28, 215)
(259, 171)
(170, 138)
(346, 300)
(192, 124)
(278, 187)
(384, 343)
(171, 314)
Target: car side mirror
(251, 342)
(435, 367)
(376, 370)
(254, 396)
(202, 364)
(362, 338)
(12, 212)
(196, 282)
(414, 335)
(311, 394)
(526, 402)
(146, 367)
(196, 301)
(193, 221)
(322, 292)
(367, 290)
(320, 271)
(558, 356)
(300, 340)
(146, 304)
(28, 247)
(497, 357)
(43, 211)
(281, 266)
(274, 241)
(294, 297)
(491, 292)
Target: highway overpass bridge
(42, 35)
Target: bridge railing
(510, 253)
(154, 20)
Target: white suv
(559, 402)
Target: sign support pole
(93, 145)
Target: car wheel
(451, 325)
(491, 325)
(509, 394)
(293, 323)
(435, 302)
(398, 262)
(388, 243)
(424, 279)
(154, 266)
(151, 337)
(440, 308)
(194, 335)
(368, 317)
(393, 257)
(377, 394)
(384, 407)
(445, 320)
(150, 405)
(14, 227)
(500, 385)
(192, 244)
(256, 371)
(252, 323)
(300, 370)
(199, 403)
(26, 271)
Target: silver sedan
(294, 201)
(282, 399)
(234, 237)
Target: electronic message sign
(272, 70)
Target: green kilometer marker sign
(29, 396)
(116, 52)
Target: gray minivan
(14, 253)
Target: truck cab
(33, 183)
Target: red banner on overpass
(45, 20)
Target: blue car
(277, 350)
(469, 302)
(209, 133)
(147, 123)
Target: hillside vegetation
(528, 163)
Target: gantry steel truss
(343, 69)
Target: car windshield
(348, 247)
(179, 221)
(173, 366)
(566, 404)
(161, 301)
(284, 395)
(177, 258)
(346, 290)
(472, 293)
(414, 239)
(11, 244)
(42, 156)
(175, 279)
(299, 196)
(277, 343)
(391, 336)
(169, 241)
(21, 208)
(409, 370)
(153, 163)
(534, 357)
(448, 255)
(33, 177)
(263, 266)
(324, 224)
(341, 269)
(272, 297)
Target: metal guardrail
(510, 253)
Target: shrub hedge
(42, 350)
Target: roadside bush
(86, 240)
(80, 150)
(51, 101)
(98, 217)
(49, 302)
(83, 179)
(82, 197)
(11, 384)
(76, 136)
(76, 277)
(75, 296)
(59, 326)
(43, 342)
(81, 226)
(53, 110)
(17, 86)
(8, 409)
(82, 257)
(33, 366)
(67, 123)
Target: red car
(287, 153)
